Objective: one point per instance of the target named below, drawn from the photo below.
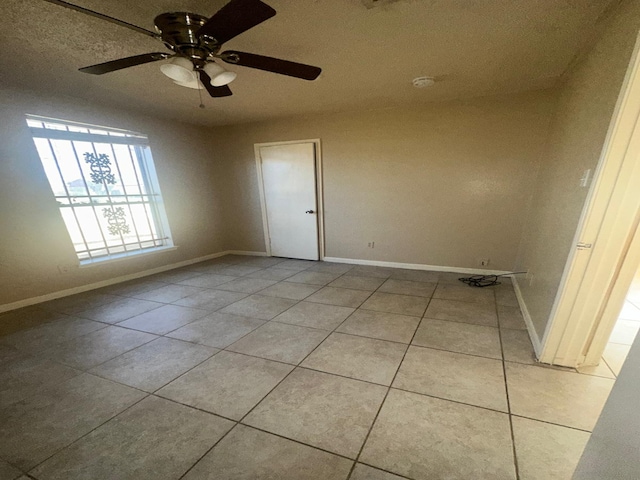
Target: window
(105, 184)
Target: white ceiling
(368, 56)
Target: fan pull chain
(200, 94)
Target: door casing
(319, 191)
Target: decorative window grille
(106, 187)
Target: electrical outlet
(371, 244)
(483, 262)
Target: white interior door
(289, 186)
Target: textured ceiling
(368, 56)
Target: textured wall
(443, 185)
(583, 115)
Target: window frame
(148, 193)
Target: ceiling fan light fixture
(195, 84)
(219, 76)
(179, 69)
(225, 78)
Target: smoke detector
(423, 82)
(377, 3)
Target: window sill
(124, 256)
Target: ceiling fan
(196, 42)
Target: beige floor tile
(407, 287)
(169, 293)
(554, 396)
(207, 267)
(249, 454)
(426, 438)
(217, 329)
(365, 472)
(174, 276)
(459, 337)
(453, 376)
(290, 290)
(630, 312)
(210, 299)
(37, 427)
(615, 356)
(51, 334)
(415, 275)
(464, 293)
(385, 326)
(228, 384)
(401, 304)
(466, 312)
(370, 271)
(328, 267)
(344, 297)
(259, 306)
(546, 451)
(517, 347)
(25, 318)
(319, 409)
(297, 265)
(601, 370)
(264, 262)
(23, 375)
(247, 285)
(368, 284)
(7, 472)
(155, 364)
(164, 319)
(119, 310)
(132, 287)
(452, 278)
(280, 342)
(238, 270)
(307, 314)
(357, 357)
(273, 273)
(511, 317)
(624, 332)
(207, 280)
(77, 303)
(95, 348)
(505, 295)
(313, 278)
(135, 445)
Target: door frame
(319, 191)
(606, 249)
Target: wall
(34, 240)
(444, 184)
(586, 103)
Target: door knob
(309, 211)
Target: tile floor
(266, 368)
(625, 331)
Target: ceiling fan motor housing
(178, 31)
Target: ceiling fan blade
(215, 92)
(236, 17)
(102, 16)
(127, 62)
(270, 64)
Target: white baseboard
(415, 266)
(244, 252)
(535, 340)
(124, 278)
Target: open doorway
(625, 330)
